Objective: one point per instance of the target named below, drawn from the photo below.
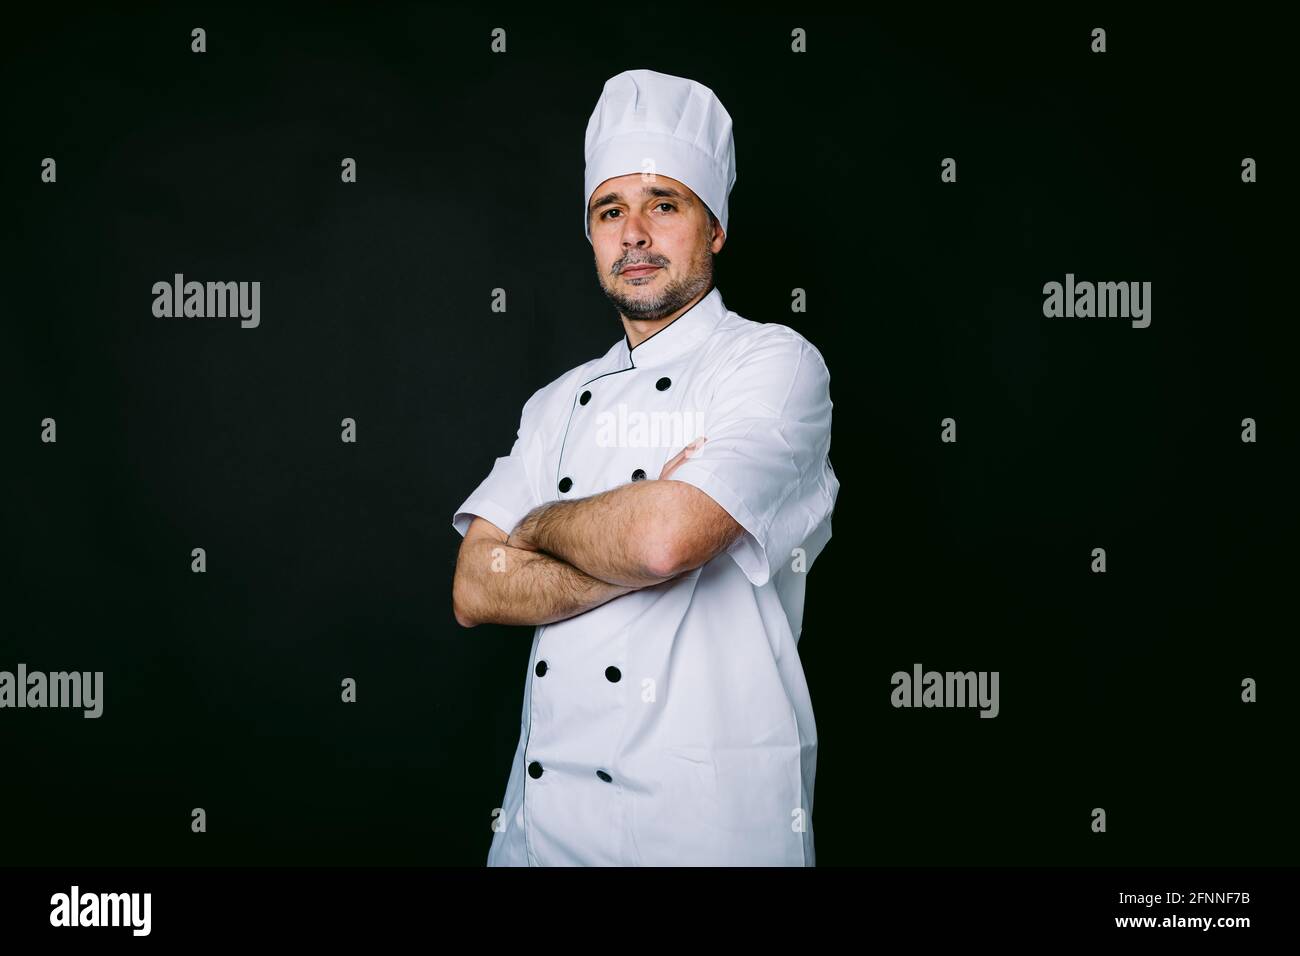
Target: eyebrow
(648, 192)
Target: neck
(638, 330)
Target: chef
(656, 520)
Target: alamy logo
(59, 689)
(624, 429)
(102, 909)
(211, 300)
(948, 689)
(1101, 300)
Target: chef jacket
(672, 725)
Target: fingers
(681, 456)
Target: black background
(328, 560)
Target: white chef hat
(652, 122)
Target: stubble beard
(669, 299)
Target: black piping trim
(560, 460)
(528, 736)
(615, 372)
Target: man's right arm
(497, 584)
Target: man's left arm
(635, 535)
(760, 486)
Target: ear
(713, 233)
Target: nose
(635, 231)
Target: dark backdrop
(328, 560)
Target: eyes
(656, 206)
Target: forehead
(635, 186)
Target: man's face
(653, 244)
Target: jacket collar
(678, 337)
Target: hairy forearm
(499, 584)
(620, 536)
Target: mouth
(631, 272)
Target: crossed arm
(567, 557)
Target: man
(666, 720)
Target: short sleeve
(507, 493)
(767, 457)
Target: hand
(680, 457)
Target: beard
(669, 297)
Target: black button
(604, 776)
(540, 669)
(612, 674)
(534, 770)
(586, 397)
(638, 475)
(663, 384)
(566, 483)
